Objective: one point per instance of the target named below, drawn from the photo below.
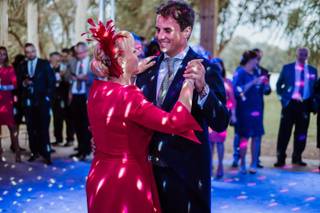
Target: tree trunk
(81, 19)
(3, 22)
(32, 24)
(209, 22)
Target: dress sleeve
(179, 121)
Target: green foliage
(273, 59)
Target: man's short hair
(81, 43)
(179, 10)
(302, 49)
(28, 45)
(54, 53)
(66, 50)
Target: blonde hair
(102, 62)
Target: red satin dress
(122, 123)
(7, 77)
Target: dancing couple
(151, 136)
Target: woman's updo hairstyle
(247, 56)
(109, 47)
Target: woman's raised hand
(145, 64)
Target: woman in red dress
(8, 83)
(122, 123)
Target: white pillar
(32, 24)
(81, 19)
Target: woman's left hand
(145, 64)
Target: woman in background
(249, 90)
(216, 138)
(8, 83)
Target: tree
(302, 26)
(3, 22)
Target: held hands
(196, 71)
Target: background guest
(81, 77)
(295, 88)
(248, 88)
(7, 85)
(216, 138)
(37, 83)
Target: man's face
(169, 35)
(55, 60)
(81, 52)
(302, 55)
(30, 52)
(65, 56)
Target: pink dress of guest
(122, 123)
(231, 105)
(7, 77)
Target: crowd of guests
(32, 86)
(298, 90)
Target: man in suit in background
(37, 84)
(60, 99)
(81, 78)
(183, 170)
(295, 88)
(66, 57)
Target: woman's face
(3, 56)
(130, 57)
(252, 63)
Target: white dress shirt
(85, 64)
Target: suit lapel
(176, 85)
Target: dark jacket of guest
(42, 88)
(286, 82)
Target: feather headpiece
(106, 37)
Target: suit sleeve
(214, 109)
(50, 79)
(280, 82)
(178, 121)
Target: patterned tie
(80, 71)
(301, 85)
(167, 80)
(31, 72)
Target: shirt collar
(180, 55)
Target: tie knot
(170, 63)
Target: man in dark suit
(182, 169)
(81, 78)
(295, 87)
(60, 100)
(37, 83)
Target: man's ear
(187, 32)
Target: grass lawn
(271, 125)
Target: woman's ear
(121, 61)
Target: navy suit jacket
(192, 162)
(43, 83)
(286, 82)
